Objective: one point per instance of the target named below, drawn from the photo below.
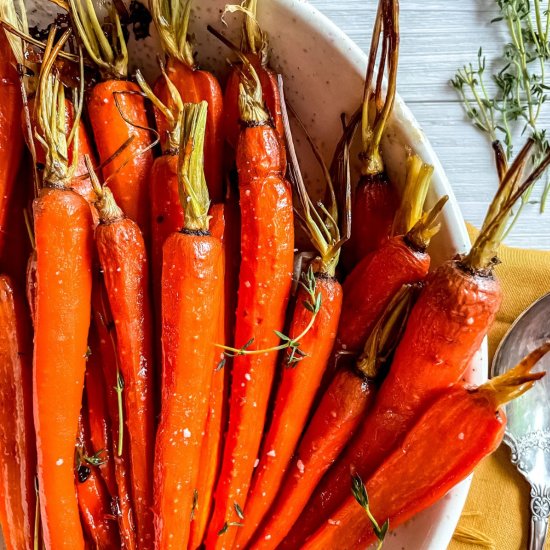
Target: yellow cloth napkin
(496, 514)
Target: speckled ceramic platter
(323, 74)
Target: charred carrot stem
(449, 321)
(94, 500)
(117, 112)
(192, 294)
(212, 445)
(17, 442)
(63, 233)
(468, 425)
(255, 47)
(193, 84)
(340, 411)
(267, 242)
(376, 199)
(123, 260)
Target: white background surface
(437, 37)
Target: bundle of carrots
(182, 372)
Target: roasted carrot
(467, 423)
(105, 327)
(267, 243)
(401, 260)
(341, 409)
(448, 322)
(17, 442)
(376, 199)
(94, 500)
(312, 333)
(97, 413)
(194, 85)
(192, 292)
(63, 233)
(117, 113)
(255, 46)
(211, 447)
(11, 136)
(123, 260)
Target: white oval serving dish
(323, 71)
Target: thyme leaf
(195, 503)
(238, 510)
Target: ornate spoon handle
(540, 509)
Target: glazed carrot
(63, 233)
(467, 423)
(401, 260)
(123, 260)
(17, 442)
(267, 243)
(448, 322)
(105, 327)
(341, 409)
(255, 46)
(192, 293)
(313, 331)
(11, 136)
(376, 200)
(94, 500)
(117, 113)
(97, 413)
(211, 448)
(194, 85)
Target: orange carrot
(267, 243)
(192, 291)
(467, 423)
(123, 260)
(211, 448)
(194, 85)
(376, 200)
(63, 233)
(117, 114)
(17, 442)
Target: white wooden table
(437, 37)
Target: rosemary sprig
(359, 492)
(295, 354)
(521, 86)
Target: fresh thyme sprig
(96, 459)
(119, 389)
(521, 88)
(359, 492)
(295, 353)
(228, 524)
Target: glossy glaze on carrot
(267, 245)
(17, 441)
(467, 423)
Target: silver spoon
(528, 430)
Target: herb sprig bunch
(521, 83)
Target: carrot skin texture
(97, 413)
(375, 203)
(270, 92)
(192, 290)
(195, 86)
(17, 442)
(63, 233)
(11, 135)
(372, 284)
(166, 212)
(414, 477)
(336, 419)
(211, 447)
(295, 394)
(107, 348)
(123, 258)
(267, 243)
(130, 184)
(445, 329)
